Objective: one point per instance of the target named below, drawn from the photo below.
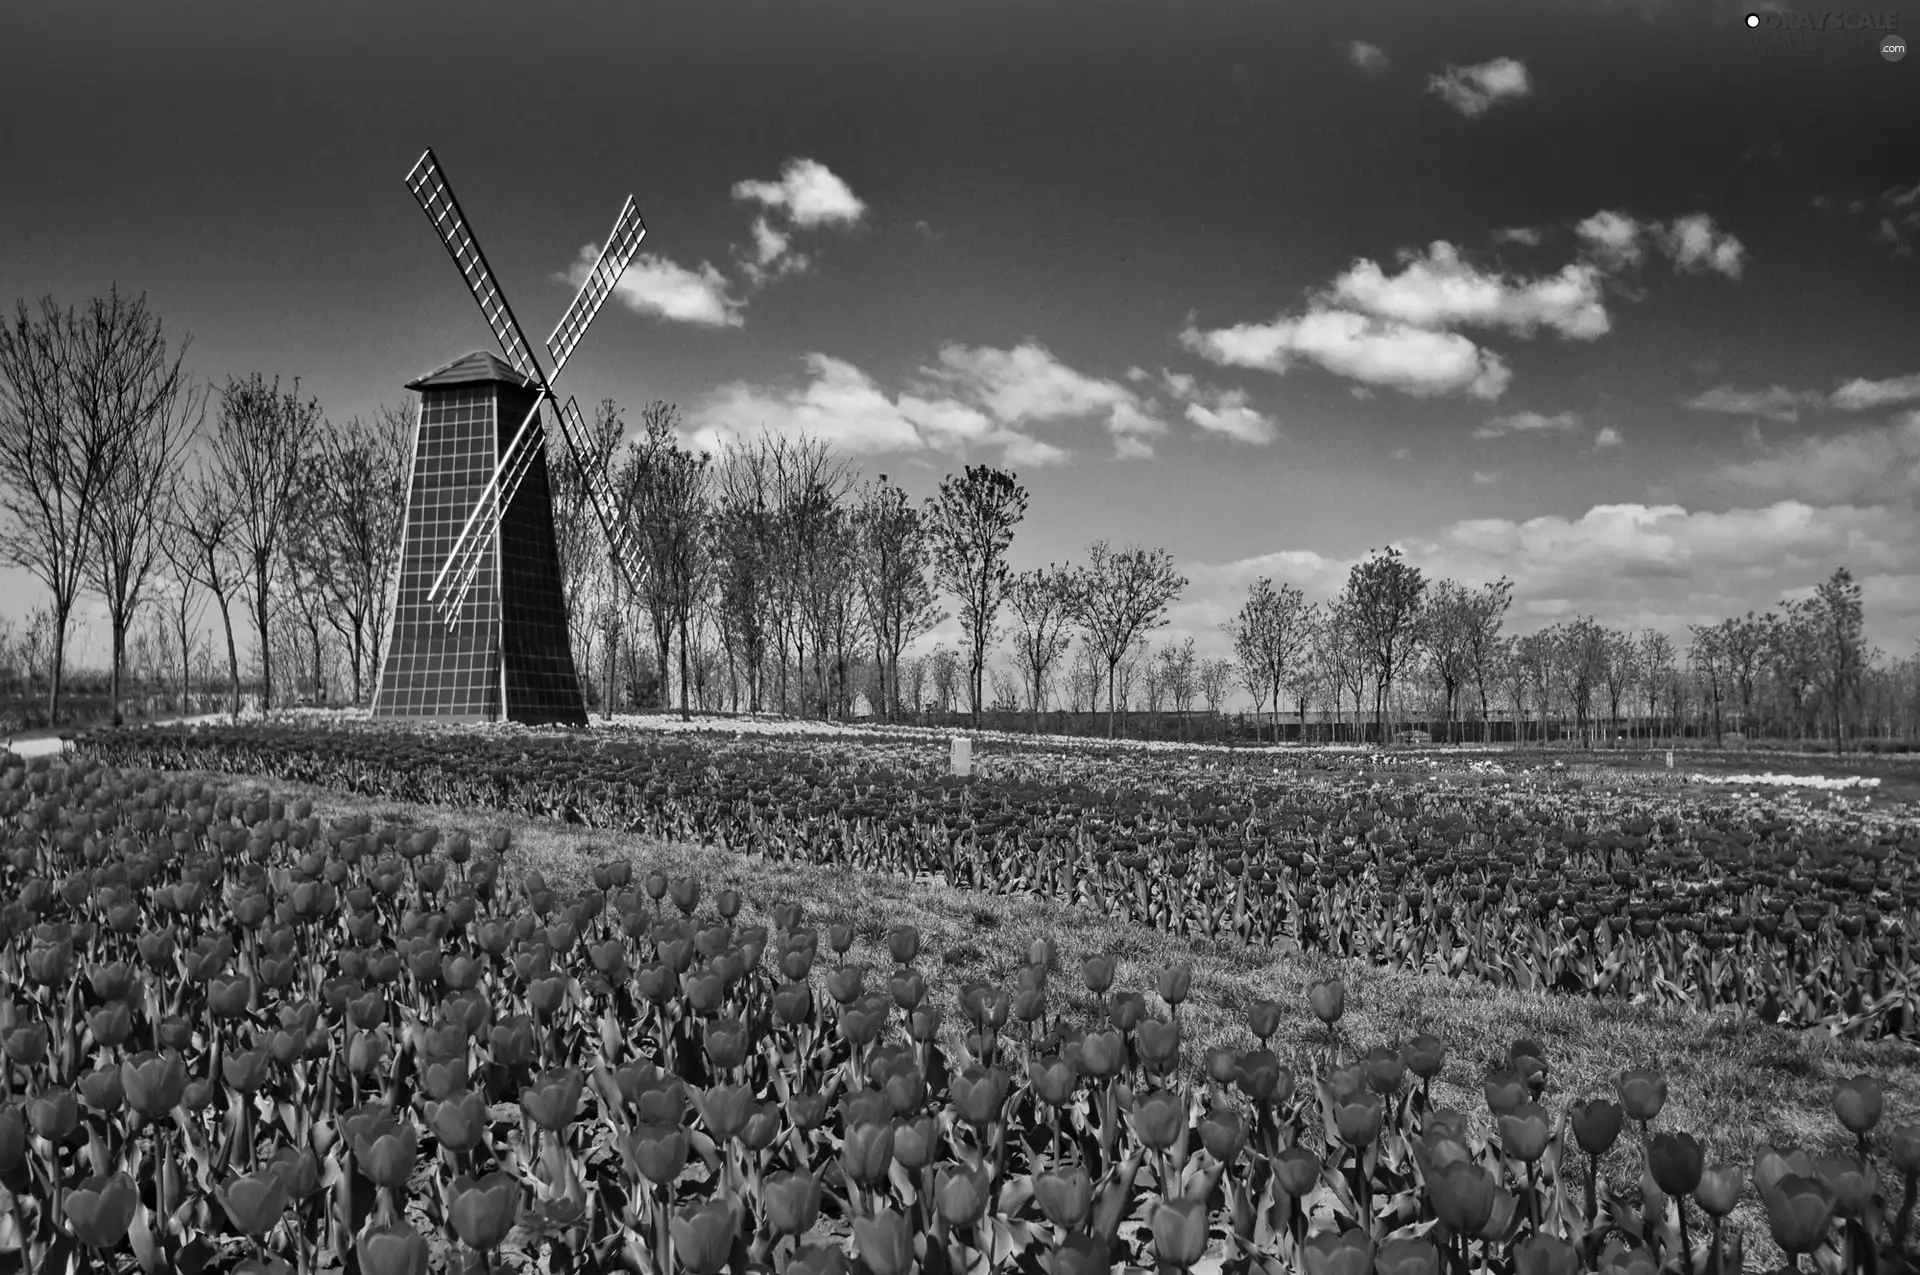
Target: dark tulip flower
(1405, 1256)
(1904, 1146)
(26, 1045)
(1065, 1196)
(1223, 1064)
(1849, 1180)
(1505, 1090)
(866, 1151)
(908, 988)
(1079, 1254)
(657, 1152)
(54, 1114)
(1385, 1069)
(884, 1241)
(1176, 982)
(818, 1259)
(1159, 1043)
(1545, 1254)
(110, 1025)
(386, 1149)
(960, 1195)
(1328, 996)
(1180, 1232)
(979, 1094)
(254, 1203)
(442, 1077)
(725, 1109)
(1643, 1092)
(101, 1089)
(1596, 1123)
(1676, 1162)
(393, 1249)
(915, 1142)
(1719, 1190)
(154, 1083)
(1347, 1252)
(1160, 1118)
(1858, 1101)
(1263, 1018)
(246, 1071)
(903, 944)
(1358, 1117)
(1223, 1131)
(807, 1110)
(1263, 1079)
(1103, 1053)
(1297, 1170)
(1053, 1079)
(1463, 1197)
(1799, 1211)
(483, 1212)
(1524, 1132)
(1098, 973)
(298, 1169)
(792, 1202)
(100, 1210)
(459, 1121)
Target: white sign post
(962, 755)
(1669, 759)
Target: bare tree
(152, 411)
(894, 553)
(1043, 608)
(69, 384)
(1656, 666)
(971, 522)
(1178, 670)
(1120, 596)
(1534, 656)
(260, 452)
(1447, 632)
(205, 516)
(1487, 612)
(359, 503)
(665, 494)
(1620, 667)
(1580, 662)
(1384, 596)
(1709, 659)
(1216, 675)
(1837, 613)
(1269, 639)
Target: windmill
(480, 628)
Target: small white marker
(1753, 19)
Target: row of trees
(770, 576)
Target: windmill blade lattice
(455, 579)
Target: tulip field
(242, 1036)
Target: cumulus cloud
(1486, 477)
(1228, 412)
(807, 196)
(1440, 289)
(1474, 90)
(1520, 234)
(971, 398)
(1360, 347)
(1877, 464)
(655, 286)
(807, 193)
(1775, 403)
(842, 406)
(1607, 437)
(1368, 57)
(1528, 423)
(1693, 243)
(1860, 393)
(1612, 237)
(1695, 246)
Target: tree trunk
(685, 716)
(233, 659)
(58, 662)
(266, 647)
(117, 625)
(186, 665)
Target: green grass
(1734, 1085)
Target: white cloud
(1695, 245)
(1520, 234)
(655, 286)
(1442, 290)
(1877, 464)
(1231, 416)
(1362, 348)
(1027, 384)
(1612, 237)
(1474, 90)
(842, 406)
(1860, 393)
(1775, 403)
(1607, 437)
(808, 193)
(1368, 57)
(1528, 423)
(1485, 477)
(1401, 453)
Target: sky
(1616, 298)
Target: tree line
(773, 577)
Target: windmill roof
(480, 367)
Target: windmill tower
(479, 617)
